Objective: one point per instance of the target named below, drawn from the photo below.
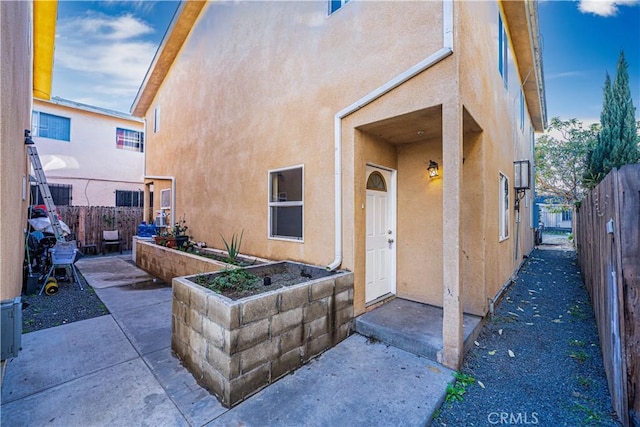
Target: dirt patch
(242, 283)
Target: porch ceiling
(417, 126)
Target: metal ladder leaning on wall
(41, 180)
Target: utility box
(11, 337)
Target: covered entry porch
(437, 295)
(414, 327)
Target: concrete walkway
(118, 370)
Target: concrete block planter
(236, 347)
(167, 263)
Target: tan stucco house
(311, 126)
(92, 156)
(27, 31)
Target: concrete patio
(118, 370)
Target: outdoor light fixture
(521, 175)
(27, 137)
(433, 169)
(521, 180)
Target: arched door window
(376, 182)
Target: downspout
(428, 62)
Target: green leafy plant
(591, 415)
(179, 228)
(579, 356)
(233, 247)
(584, 381)
(457, 389)
(234, 279)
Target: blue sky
(104, 48)
(581, 42)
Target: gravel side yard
(537, 360)
(70, 304)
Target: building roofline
(90, 108)
(175, 36)
(521, 19)
(45, 16)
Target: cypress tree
(625, 149)
(617, 142)
(603, 139)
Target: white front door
(380, 246)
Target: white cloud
(103, 27)
(124, 62)
(604, 7)
(564, 74)
(101, 54)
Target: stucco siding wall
(15, 95)
(496, 109)
(94, 192)
(420, 232)
(90, 160)
(255, 88)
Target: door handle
(390, 240)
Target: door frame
(392, 195)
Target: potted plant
(174, 237)
(179, 233)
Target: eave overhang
(45, 15)
(521, 19)
(178, 31)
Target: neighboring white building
(553, 214)
(91, 156)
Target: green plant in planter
(179, 228)
(234, 279)
(174, 237)
(233, 247)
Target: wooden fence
(88, 222)
(608, 241)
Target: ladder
(41, 179)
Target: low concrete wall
(235, 348)
(165, 263)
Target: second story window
(503, 51)
(129, 140)
(51, 126)
(521, 111)
(156, 120)
(336, 4)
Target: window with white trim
(165, 199)
(334, 5)
(51, 126)
(131, 140)
(521, 111)
(504, 206)
(503, 51)
(286, 203)
(156, 119)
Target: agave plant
(233, 247)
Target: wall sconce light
(433, 169)
(521, 180)
(27, 137)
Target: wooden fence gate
(88, 222)
(608, 240)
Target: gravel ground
(537, 360)
(70, 304)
